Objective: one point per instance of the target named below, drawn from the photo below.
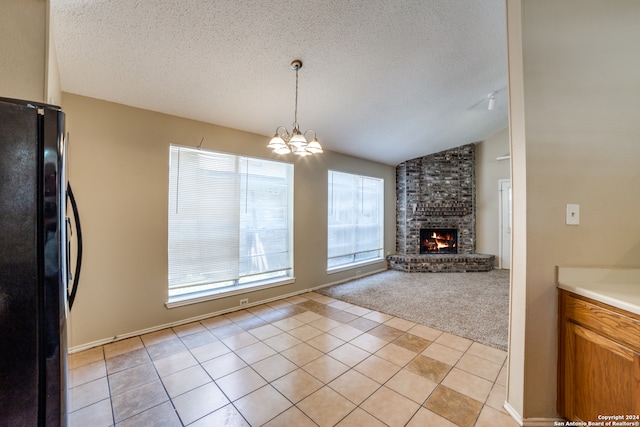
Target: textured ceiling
(386, 80)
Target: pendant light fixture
(295, 142)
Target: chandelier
(295, 142)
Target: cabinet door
(601, 376)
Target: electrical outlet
(244, 301)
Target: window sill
(354, 265)
(198, 297)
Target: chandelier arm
(310, 130)
(278, 129)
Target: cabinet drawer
(615, 324)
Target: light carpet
(470, 305)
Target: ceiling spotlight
(492, 101)
(284, 142)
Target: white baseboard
(514, 414)
(104, 341)
(531, 422)
(337, 282)
(109, 340)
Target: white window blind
(355, 219)
(229, 220)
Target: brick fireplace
(437, 192)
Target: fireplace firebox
(438, 241)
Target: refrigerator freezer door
(20, 284)
(33, 356)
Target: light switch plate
(573, 214)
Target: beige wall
(53, 90)
(489, 172)
(575, 103)
(23, 43)
(118, 166)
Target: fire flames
(443, 241)
(436, 242)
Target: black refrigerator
(35, 276)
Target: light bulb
(298, 140)
(276, 142)
(314, 147)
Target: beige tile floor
(309, 360)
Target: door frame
(501, 224)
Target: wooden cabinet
(598, 360)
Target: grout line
(235, 320)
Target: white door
(504, 258)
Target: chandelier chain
(295, 114)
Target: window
(355, 220)
(230, 222)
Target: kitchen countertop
(618, 287)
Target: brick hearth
(437, 191)
(445, 263)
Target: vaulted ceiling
(385, 80)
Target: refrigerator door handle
(68, 249)
(76, 219)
